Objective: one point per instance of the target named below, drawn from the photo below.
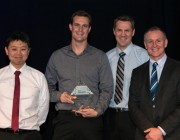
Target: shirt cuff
(163, 132)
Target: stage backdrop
(46, 22)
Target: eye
(149, 41)
(127, 31)
(13, 49)
(86, 26)
(119, 30)
(158, 41)
(76, 25)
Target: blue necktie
(154, 81)
(119, 78)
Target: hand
(67, 98)
(86, 112)
(153, 134)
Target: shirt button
(153, 106)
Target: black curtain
(46, 22)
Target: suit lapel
(147, 78)
(163, 77)
(147, 81)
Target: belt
(120, 109)
(20, 131)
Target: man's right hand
(67, 98)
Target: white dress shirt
(134, 57)
(34, 97)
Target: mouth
(18, 58)
(79, 33)
(123, 38)
(155, 49)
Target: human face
(18, 52)
(123, 34)
(155, 43)
(80, 29)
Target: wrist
(162, 131)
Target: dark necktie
(119, 79)
(154, 81)
(15, 111)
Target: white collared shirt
(34, 97)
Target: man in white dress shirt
(34, 94)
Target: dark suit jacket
(166, 113)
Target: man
(79, 69)
(21, 119)
(155, 92)
(117, 123)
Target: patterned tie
(154, 81)
(119, 78)
(15, 111)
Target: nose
(80, 28)
(154, 44)
(123, 33)
(19, 52)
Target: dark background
(46, 22)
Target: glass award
(84, 96)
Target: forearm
(55, 96)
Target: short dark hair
(18, 35)
(124, 18)
(155, 28)
(83, 14)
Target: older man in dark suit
(155, 92)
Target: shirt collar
(160, 62)
(13, 69)
(85, 50)
(126, 51)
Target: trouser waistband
(20, 131)
(120, 109)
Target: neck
(17, 66)
(122, 48)
(78, 48)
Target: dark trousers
(35, 135)
(68, 126)
(118, 125)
